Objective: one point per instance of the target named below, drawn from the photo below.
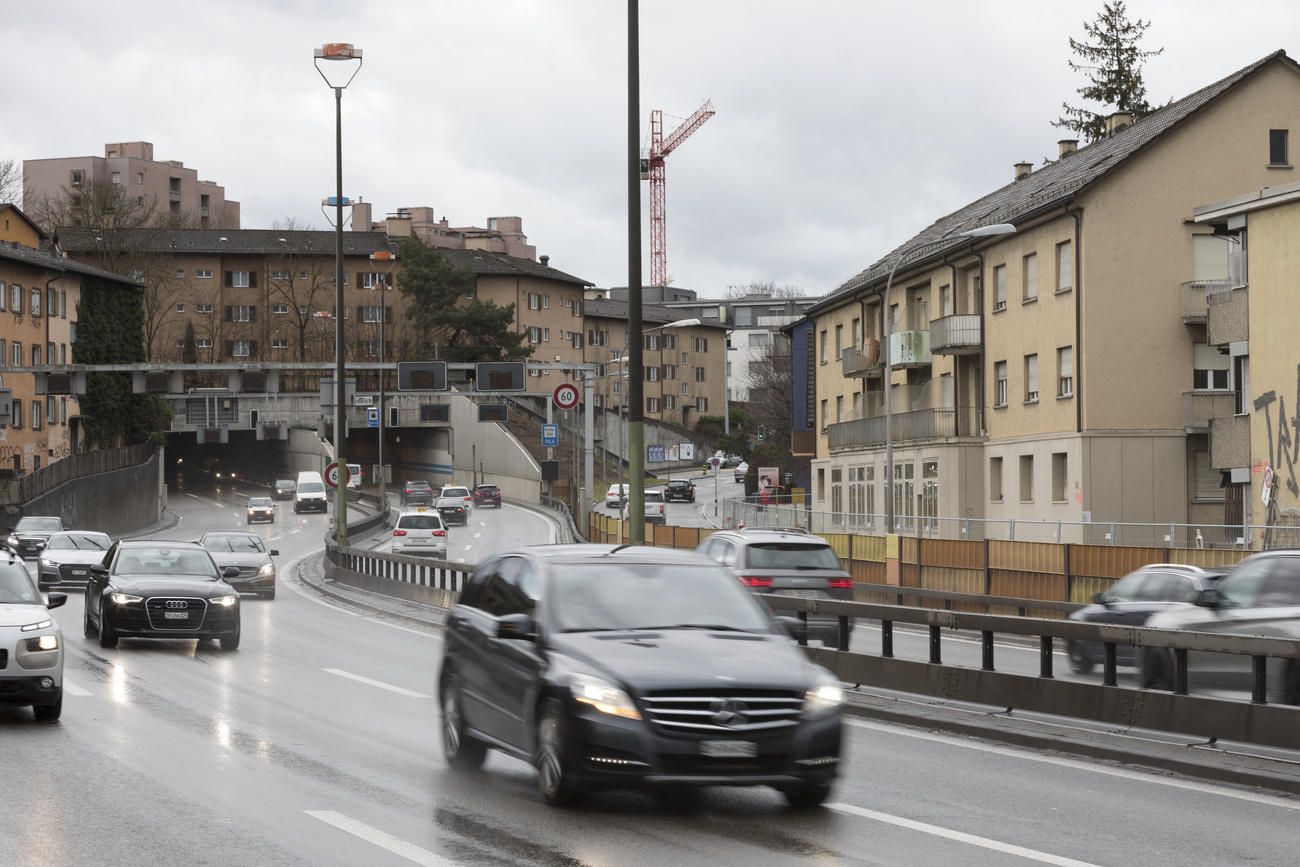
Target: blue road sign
(372, 416)
(550, 435)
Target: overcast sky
(842, 126)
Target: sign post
(716, 463)
(332, 473)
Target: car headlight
(49, 641)
(824, 696)
(267, 570)
(12, 540)
(32, 627)
(225, 601)
(40, 651)
(603, 696)
(46, 561)
(123, 598)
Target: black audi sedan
(161, 589)
(618, 666)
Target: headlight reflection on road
(117, 684)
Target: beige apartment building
(168, 186)
(501, 235)
(1058, 373)
(682, 367)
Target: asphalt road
(706, 511)
(317, 743)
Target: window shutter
(361, 313)
(230, 349)
(388, 314)
(252, 279)
(252, 313)
(230, 311)
(252, 348)
(230, 278)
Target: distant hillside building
(503, 235)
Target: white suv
(31, 643)
(655, 513)
(420, 532)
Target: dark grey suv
(617, 666)
(785, 563)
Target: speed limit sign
(565, 396)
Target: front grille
(708, 766)
(4, 658)
(74, 572)
(712, 711)
(248, 571)
(159, 607)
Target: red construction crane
(653, 170)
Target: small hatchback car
(487, 495)
(283, 489)
(679, 489)
(261, 509)
(31, 644)
(618, 666)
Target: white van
(355, 476)
(310, 493)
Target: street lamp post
(390, 257)
(982, 231)
(337, 51)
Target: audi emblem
(728, 712)
(177, 603)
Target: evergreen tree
(1113, 63)
(189, 345)
(451, 327)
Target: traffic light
(760, 431)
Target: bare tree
(762, 289)
(11, 182)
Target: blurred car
(283, 489)
(451, 510)
(161, 589)
(1259, 596)
(1131, 601)
(29, 535)
(417, 493)
(31, 643)
(741, 469)
(732, 461)
(487, 495)
(655, 511)
(679, 489)
(356, 477)
(785, 563)
(616, 496)
(616, 666)
(461, 493)
(261, 509)
(418, 532)
(68, 556)
(247, 552)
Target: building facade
(501, 234)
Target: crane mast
(660, 147)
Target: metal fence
(1252, 537)
(76, 466)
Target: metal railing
(76, 466)
(958, 331)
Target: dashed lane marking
(376, 683)
(383, 840)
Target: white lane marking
(73, 689)
(468, 547)
(377, 683)
(480, 533)
(188, 494)
(396, 845)
(421, 632)
(1076, 764)
(958, 836)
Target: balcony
(1227, 317)
(955, 335)
(909, 348)
(1202, 407)
(174, 195)
(918, 424)
(864, 361)
(1230, 442)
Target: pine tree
(1113, 63)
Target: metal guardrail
(1255, 721)
(568, 527)
(82, 464)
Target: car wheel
(553, 779)
(50, 712)
(462, 752)
(87, 628)
(268, 594)
(230, 642)
(1080, 661)
(106, 636)
(805, 795)
(1156, 669)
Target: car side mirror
(1210, 598)
(275, 552)
(98, 569)
(516, 626)
(1099, 599)
(54, 600)
(229, 571)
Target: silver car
(30, 642)
(420, 532)
(246, 551)
(68, 556)
(1260, 596)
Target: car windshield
(792, 555)
(239, 544)
(78, 542)
(417, 486)
(1153, 587)
(311, 488)
(284, 483)
(455, 492)
(487, 489)
(611, 595)
(38, 525)
(419, 522)
(172, 562)
(16, 586)
(259, 503)
(450, 503)
(654, 496)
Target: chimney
(1023, 170)
(544, 260)
(1068, 146)
(1117, 122)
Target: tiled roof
(486, 262)
(1050, 186)
(651, 314)
(15, 252)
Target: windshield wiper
(715, 626)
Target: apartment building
(1042, 374)
(503, 235)
(172, 189)
(682, 367)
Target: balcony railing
(919, 424)
(862, 361)
(909, 348)
(955, 335)
(1202, 407)
(174, 195)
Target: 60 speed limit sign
(565, 396)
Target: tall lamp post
(981, 232)
(389, 257)
(337, 51)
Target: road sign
(550, 435)
(565, 396)
(1266, 493)
(715, 462)
(372, 416)
(332, 475)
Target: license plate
(176, 615)
(799, 594)
(729, 749)
(78, 571)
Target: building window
(279, 343)
(1064, 266)
(36, 302)
(36, 415)
(76, 178)
(63, 304)
(670, 341)
(239, 279)
(1031, 277)
(36, 354)
(180, 308)
(823, 347)
(139, 178)
(1058, 477)
(995, 480)
(534, 301)
(17, 353)
(203, 273)
(1031, 378)
(239, 348)
(701, 404)
(116, 178)
(1210, 368)
(51, 414)
(701, 344)
(15, 298)
(1277, 147)
(1026, 478)
(371, 348)
(546, 335)
(280, 275)
(203, 308)
(4, 354)
(51, 302)
(999, 288)
(63, 410)
(372, 279)
(652, 374)
(652, 341)
(825, 412)
(203, 342)
(652, 404)
(839, 341)
(945, 301)
(699, 374)
(839, 408)
(1065, 371)
(4, 295)
(372, 314)
(1000, 383)
(280, 309)
(18, 413)
(240, 313)
(534, 334)
(670, 401)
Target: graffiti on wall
(1284, 445)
